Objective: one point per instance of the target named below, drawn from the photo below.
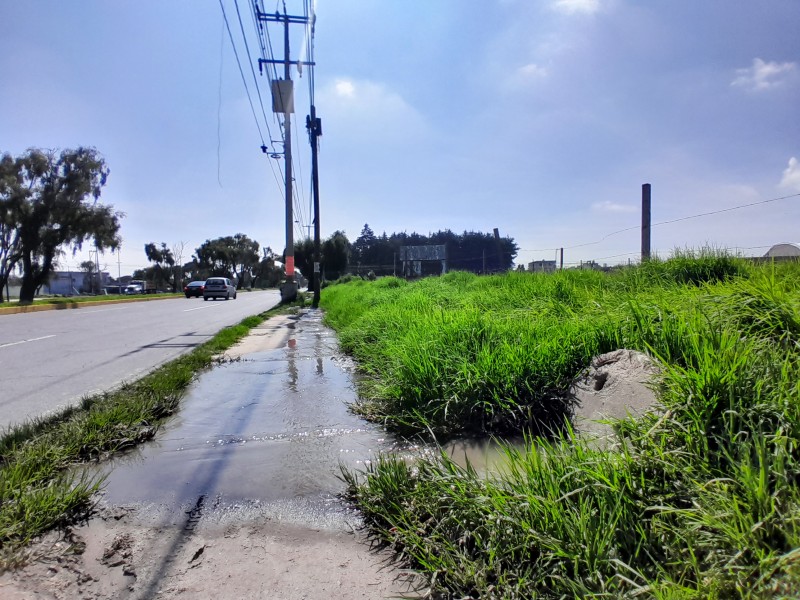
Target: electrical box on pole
(283, 96)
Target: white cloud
(577, 6)
(613, 207)
(531, 71)
(763, 75)
(791, 176)
(363, 108)
(344, 88)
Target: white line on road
(201, 307)
(44, 337)
(99, 310)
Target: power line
(686, 218)
(241, 72)
(716, 212)
(252, 69)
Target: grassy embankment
(700, 500)
(38, 492)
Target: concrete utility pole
(283, 102)
(645, 222)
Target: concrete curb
(13, 310)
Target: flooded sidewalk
(237, 496)
(263, 433)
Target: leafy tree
(164, 261)
(269, 273)
(9, 232)
(245, 259)
(50, 201)
(231, 256)
(304, 257)
(89, 274)
(335, 255)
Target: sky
(541, 118)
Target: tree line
(472, 251)
(49, 204)
(235, 256)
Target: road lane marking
(201, 307)
(99, 310)
(44, 337)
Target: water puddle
(263, 435)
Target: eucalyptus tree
(51, 204)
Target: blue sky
(542, 118)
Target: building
(71, 283)
(783, 251)
(542, 266)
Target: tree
(269, 273)
(304, 257)
(9, 211)
(245, 259)
(231, 256)
(177, 252)
(88, 268)
(164, 262)
(363, 248)
(335, 255)
(50, 200)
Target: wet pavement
(260, 436)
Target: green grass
(37, 489)
(700, 500)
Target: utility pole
(119, 271)
(645, 222)
(314, 126)
(283, 102)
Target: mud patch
(616, 384)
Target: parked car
(134, 288)
(194, 288)
(219, 287)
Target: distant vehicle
(194, 288)
(219, 287)
(139, 286)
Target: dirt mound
(615, 385)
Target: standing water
(262, 435)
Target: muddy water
(262, 435)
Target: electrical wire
(241, 72)
(252, 68)
(219, 106)
(686, 218)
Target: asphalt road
(51, 359)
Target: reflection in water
(269, 429)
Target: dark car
(219, 287)
(194, 288)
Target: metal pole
(645, 222)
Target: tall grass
(700, 499)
